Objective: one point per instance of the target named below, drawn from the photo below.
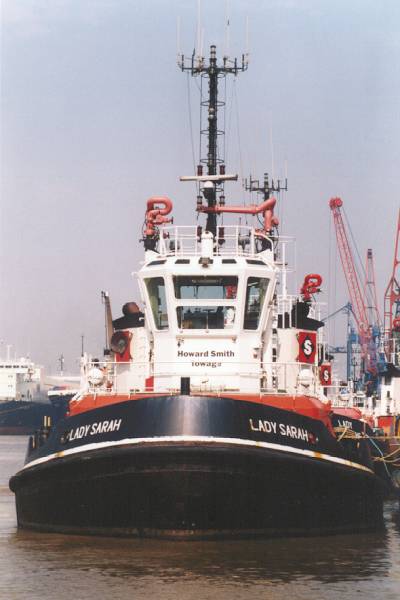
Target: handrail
(274, 377)
(182, 240)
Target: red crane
(392, 298)
(374, 317)
(357, 297)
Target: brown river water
(51, 566)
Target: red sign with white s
(325, 374)
(307, 346)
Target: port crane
(373, 312)
(392, 305)
(351, 341)
(374, 317)
(357, 294)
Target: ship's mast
(211, 185)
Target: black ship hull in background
(20, 417)
(195, 467)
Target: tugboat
(210, 415)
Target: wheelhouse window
(208, 288)
(256, 291)
(158, 301)
(206, 317)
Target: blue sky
(95, 120)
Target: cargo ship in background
(211, 414)
(23, 400)
(28, 396)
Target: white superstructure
(217, 315)
(20, 379)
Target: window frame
(157, 325)
(176, 277)
(217, 304)
(246, 300)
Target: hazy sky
(95, 120)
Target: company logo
(325, 374)
(307, 346)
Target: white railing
(232, 240)
(233, 377)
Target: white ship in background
(28, 395)
(23, 400)
(21, 379)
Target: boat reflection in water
(307, 562)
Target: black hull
(23, 418)
(187, 484)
